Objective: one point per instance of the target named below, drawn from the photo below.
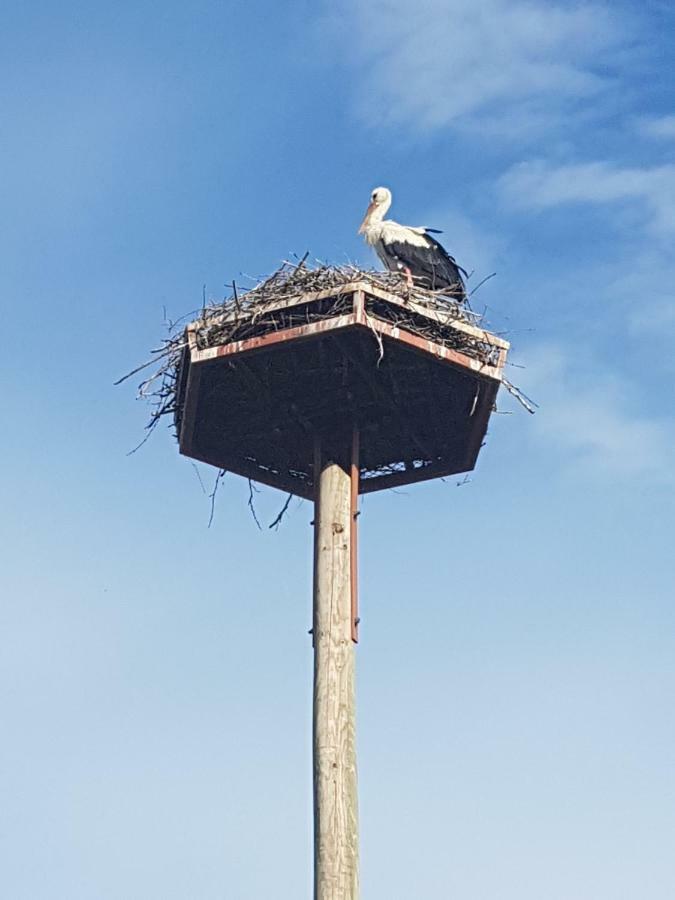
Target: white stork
(412, 251)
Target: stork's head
(380, 201)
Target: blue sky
(516, 673)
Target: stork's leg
(408, 276)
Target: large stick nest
(246, 314)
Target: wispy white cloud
(656, 320)
(592, 416)
(662, 127)
(500, 64)
(541, 185)
(648, 297)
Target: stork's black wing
(431, 266)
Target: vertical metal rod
(336, 851)
(354, 534)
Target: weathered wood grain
(336, 854)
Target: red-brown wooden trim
(354, 533)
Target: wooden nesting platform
(417, 382)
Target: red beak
(369, 211)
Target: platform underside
(256, 407)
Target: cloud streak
(660, 127)
(501, 64)
(586, 416)
(539, 185)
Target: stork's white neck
(371, 227)
(378, 213)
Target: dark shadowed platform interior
(258, 384)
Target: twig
(481, 283)
(199, 477)
(522, 398)
(212, 495)
(250, 503)
(151, 427)
(275, 524)
(133, 372)
(378, 338)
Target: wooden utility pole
(400, 387)
(336, 854)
